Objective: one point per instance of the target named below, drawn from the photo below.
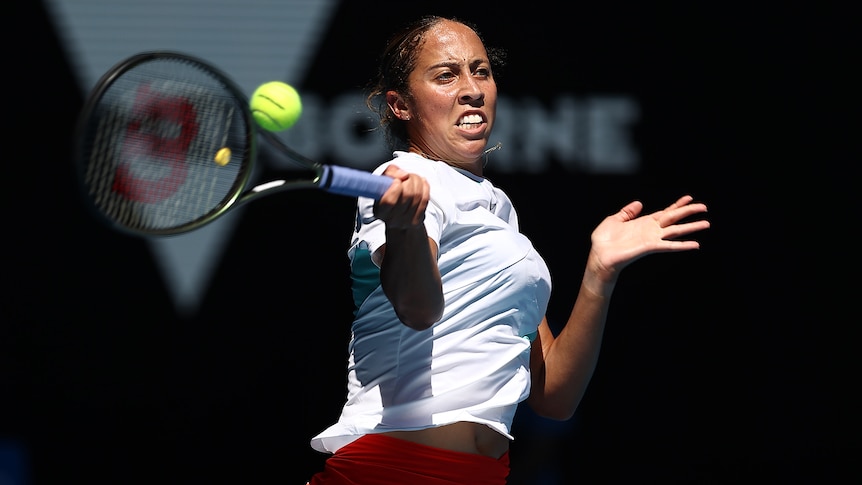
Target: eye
(482, 72)
(446, 75)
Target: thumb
(631, 210)
(395, 172)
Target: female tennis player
(450, 333)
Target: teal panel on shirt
(365, 276)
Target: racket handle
(352, 182)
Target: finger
(393, 193)
(669, 246)
(670, 216)
(677, 230)
(685, 199)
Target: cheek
(434, 105)
(442, 101)
(491, 99)
(436, 108)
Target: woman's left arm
(561, 366)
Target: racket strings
(150, 156)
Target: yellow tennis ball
(275, 106)
(222, 157)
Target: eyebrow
(451, 64)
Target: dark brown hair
(397, 62)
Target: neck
(476, 167)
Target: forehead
(451, 41)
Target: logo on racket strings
(155, 147)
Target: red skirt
(376, 459)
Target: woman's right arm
(408, 260)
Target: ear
(398, 105)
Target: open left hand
(623, 238)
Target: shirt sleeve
(370, 232)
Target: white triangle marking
(252, 41)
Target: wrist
(598, 278)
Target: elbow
(420, 319)
(419, 311)
(555, 413)
(552, 409)
(559, 415)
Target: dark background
(725, 365)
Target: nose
(471, 91)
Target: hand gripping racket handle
(352, 182)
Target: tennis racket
(166, 143)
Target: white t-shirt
(473, 364)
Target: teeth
(471, 119)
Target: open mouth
(470, 121)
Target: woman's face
(453, 96)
